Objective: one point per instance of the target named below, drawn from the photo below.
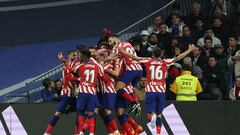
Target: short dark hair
(70, 51)
(86, 53)
(156, 52)
(208, 38)
(186, 67)
(153, 34)
(46, 82)
(233, 36)
(92, 47)
(186, 26)
(212, 56)
(57, 80)
(80, 47)
(199, 47)
(155, 16)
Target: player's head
(79, 49)
(72, 55)
(92, 50)
(48, 83)
(101, 54)
(113, 40)
(156, 53)
(86, 54)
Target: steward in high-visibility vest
(186, 86)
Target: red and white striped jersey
(130, 63)
(75, 63)
(156, 70)
(110, 87)
(129, 88)
(89, 71)
(68, 87)
(119, 63)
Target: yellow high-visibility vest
(186, 87)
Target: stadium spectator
(234, 93)
(221, 4)
(215, 79)
(175, 10)
(58, 86)
(207, 47)
(49, 94)
(222, 62)
(234, 63)
(219, 30)
(209, 33)
(170, 50)
(165, 37)
(197, 57)
(195, 13)
(140, 90)
(188, 61)
(233, 22)
(186, 86)
(199, 28)
(197, 71)
(217, 13)
(186, 38)
(156, 22)
(144, 37)
(233, 45)
(177, 26)
(153, 42)
(144, 43)
(173, 72)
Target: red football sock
(122, 127)
(127, 128)
(49, 129)
(113, 124)
(80, 123)
(158, 129)
(149, 117)
(132, 123)
(109, 128)
(76, 131)
(86, 124)
(92, 125)
(127, 97)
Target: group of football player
(102, 82)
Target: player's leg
(60, 110)
(137, 128)
(81, 103)
(160, 99)
(109, 105)
(121, 104)
(91, 105)
(150, 104)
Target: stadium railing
(33, 88)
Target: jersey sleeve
(115, 48)
(144, 59)
(169, 62)
(118, 63)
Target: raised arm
(191, 47)
(126, 54)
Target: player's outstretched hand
(60, 56)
